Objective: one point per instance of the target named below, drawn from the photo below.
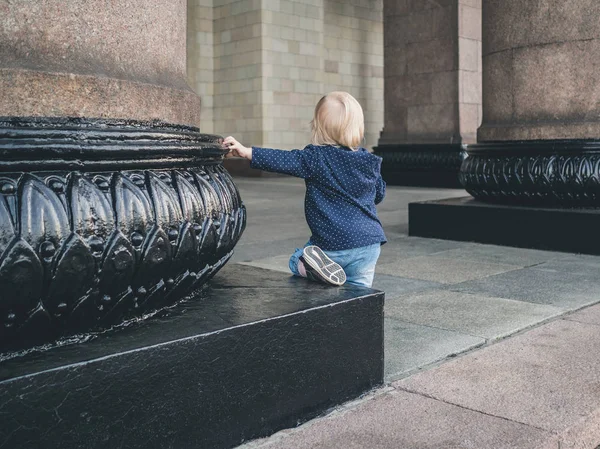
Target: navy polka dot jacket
(342, 189)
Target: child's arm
(295, 162)
(379, 190)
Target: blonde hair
(338, 120)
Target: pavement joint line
(515, 268)
(488, 342)
(332, 413)
(399, 388)
(580, 322)
(435, 327)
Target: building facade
(260, 66)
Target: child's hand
(237, 149)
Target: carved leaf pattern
(554, 179)
(108, 245)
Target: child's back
(342, 188)
(343, 185)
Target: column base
(421, 165)
(563, 173)
(466, 219)
(256, 352)
(104, 220)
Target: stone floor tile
(441, 269)
(548, 377)
(558, 288)
(478, 315)
(521, 257)
(402, 420)
(410, 346)
(401, 248)
(573, 263)
(395, 286)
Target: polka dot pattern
(342, 189)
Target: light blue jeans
(358, 263)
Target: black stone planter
(424, 165)
(533, 194)
(564, 173)
(104, 220)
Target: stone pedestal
(112, 204)
(539, 144)
(256, 352)
(432, 89)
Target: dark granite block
(259, 351)
(466, 219)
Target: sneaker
(321, 268)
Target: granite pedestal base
(258, 352)
(466, 219)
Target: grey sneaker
(321, 268)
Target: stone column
(432, 88)
(541, 104)
(82, 58)
(112, 204)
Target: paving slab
(402, 420)
(401, 248)
(561, 289)
(411, 346)
(478, 315)
(573, 263)
(442, 269)
(502, 254)
(548, 378)
(395, 286)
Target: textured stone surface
(400, 419)
(444, 270)
(399, 249)
(522, 257)
(539, 77)
(236, 363)
(395, 286)
(32, 93)
(431, 69)
(589, 315)
(92, 59)
(580, 264)
(410, 346)
(476, 315)
(547, 378)
(513, 23)
(112, 39)
(560, 289)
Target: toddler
(343, 185)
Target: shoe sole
(329, 271)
